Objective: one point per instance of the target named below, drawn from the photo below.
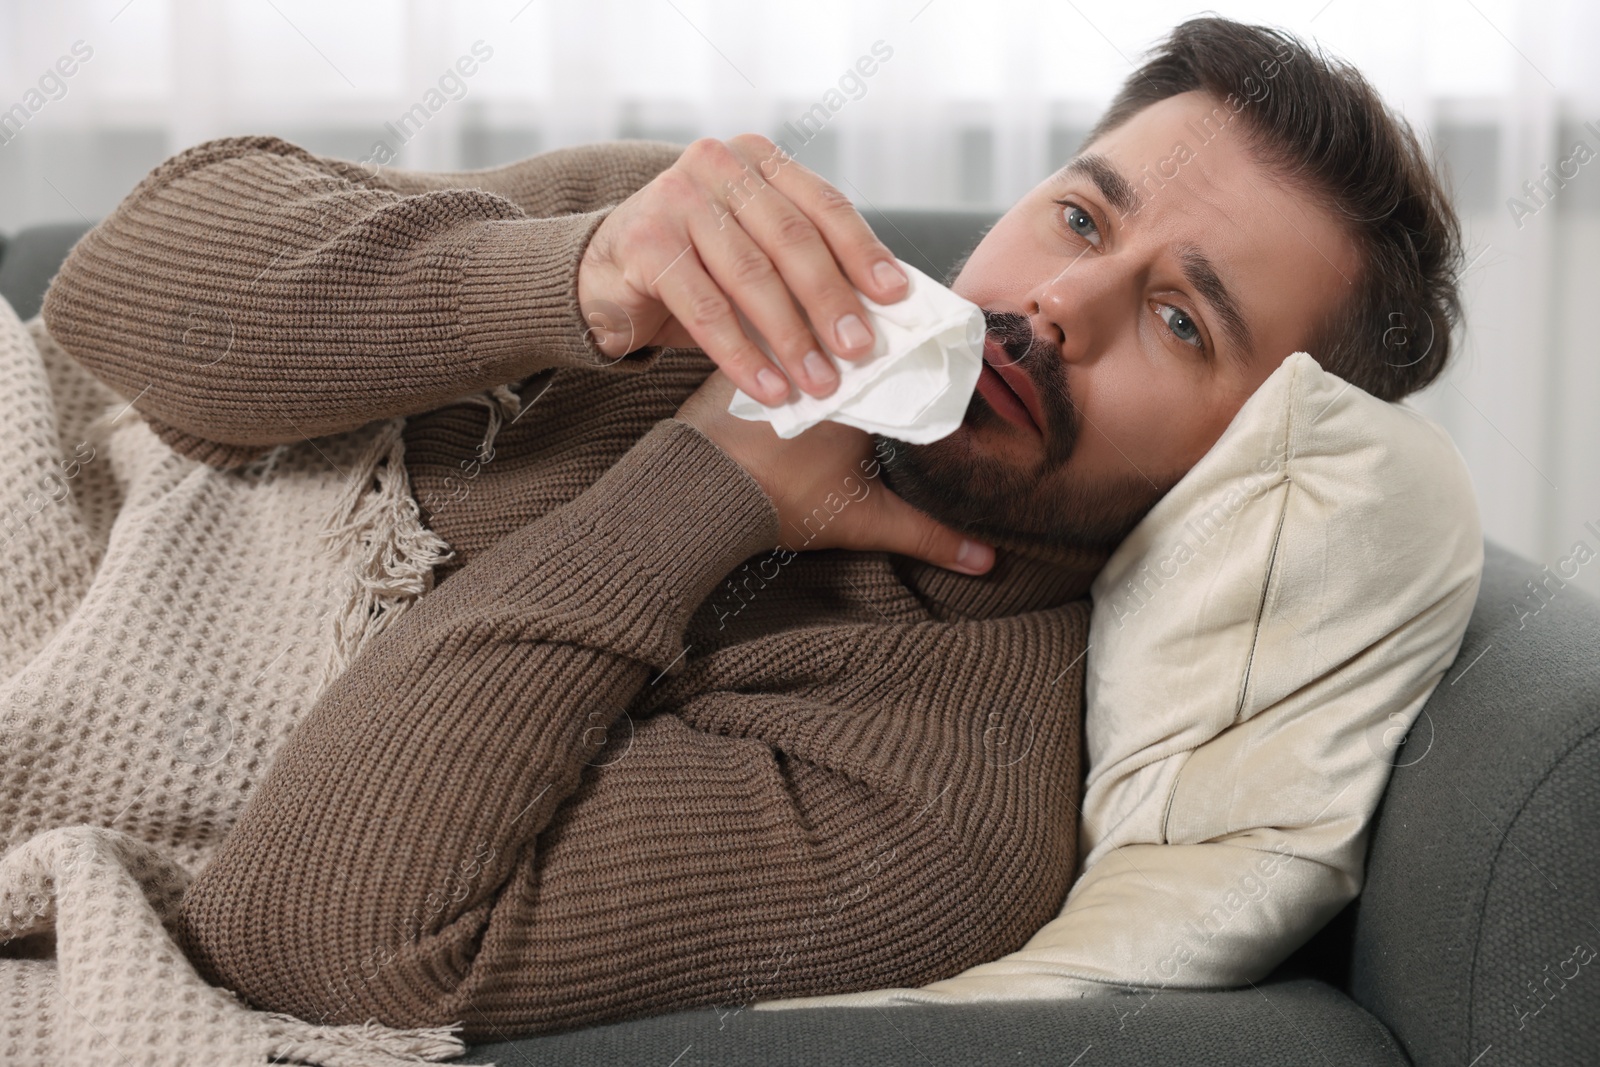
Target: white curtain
(968, 103)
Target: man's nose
(1073, 308)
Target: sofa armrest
(30, 259)
(1480, 918)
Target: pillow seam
(1272, 559)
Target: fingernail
(852, 332)
(771, 384)
(974, 556)
(888, 276)
(818, 367)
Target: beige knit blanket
(163, 626)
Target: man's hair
(1321, 127)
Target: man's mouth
(1008, 389)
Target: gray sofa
(1483, 875)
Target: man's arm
(1263, 841)
(248, 293)
(405, 857)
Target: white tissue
(927, 351)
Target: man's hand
(738, 224)
(824, 484)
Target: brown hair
(1320, 125)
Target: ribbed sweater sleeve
(248, 293)
(459, 731)
(469, 828)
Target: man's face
(1143, 310)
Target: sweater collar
(1025, 577)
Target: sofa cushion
(1299, 1023)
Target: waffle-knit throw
(163, 625)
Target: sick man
(695, 715)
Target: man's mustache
(1039, 358)
(1015, 334)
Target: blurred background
(970, 103)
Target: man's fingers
(910, 532)
(744, 272)
(701, 308)
(822, 247)
(797, 248)
(866, 261)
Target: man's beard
(977, 493)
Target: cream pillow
(1258, 648)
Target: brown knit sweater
(626, 757)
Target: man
(628, 756)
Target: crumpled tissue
(927, 351)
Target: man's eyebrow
(1208, 283)
(1117, 190)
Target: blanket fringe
(387, 553)
(97, 431)
(386, 550)
(365, 1045)
(501, 401)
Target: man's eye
(1181, 325)
(1079, 221)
